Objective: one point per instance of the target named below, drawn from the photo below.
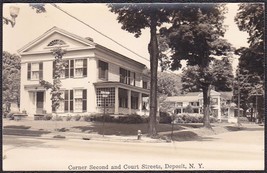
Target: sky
(30, 25)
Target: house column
(140, 102)
(129, 102)
(116, 106)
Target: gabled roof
(56, 30)
(86, 41)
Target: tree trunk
(206, 106)
(153, 51)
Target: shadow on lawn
(23, 132)
(188, 136)
(120, 129)
(17, 127)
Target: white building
(220, 103)
(91, 69)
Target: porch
(122, 98)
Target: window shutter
(66, 101)
(85, 67)
(84, 100)
(67, 69)
(71, 68)
(71, 100)
(40, 70)
(29, 71)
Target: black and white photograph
(133, 86)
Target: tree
(10, 78)
(55, 86)
(133, 18)
(250, 18)
(169, 84)
(196, 36)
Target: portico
(123, 98)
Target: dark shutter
(29, 71)
(85, 67)
(71, 100)
(67, 74)
(71, 68)
(84, 100)
(40, 70)
(66, 102)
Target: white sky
(30, 25)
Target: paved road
(241, 150)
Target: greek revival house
(91, 69)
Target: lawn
(86, 127)
(124, 129)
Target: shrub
(77, 117)
(243, 120)
(165, 118)
(87, 118)
(192, 118)
(5, 114)
(10, 116)
(130, 119)
(57, 118)
(47, 117)
(68, 118)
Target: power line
(57, 7)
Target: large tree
(134, 18)
(220, 74)
(250, 18)
(196, 35)
(10, 78)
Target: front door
(39, 102)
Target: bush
(192, 118)
(127, 119)
(47, 117)
(243, 120)
(165, 118)
(87, 118)
(10, 116)
(68, 118)
(57, 118)
(77, 117)
(130, 119)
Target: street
(240, 150)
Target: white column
(129, 101)
(116, 106)
(140, 102)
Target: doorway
(39, 102)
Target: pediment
(56, 38)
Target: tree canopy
(196, 35)
(10, 78)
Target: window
(73, 68)
(194, 103)
(80, 67)
(102, 70)
(145, 84)
(132, 78)
(178, 111)
(56, 42)
(214, 101)
(110, 100)
(195, 111)
(80, 100)
(134, 100)
(179, 104)
(123, 98)
(124, 76)
(35, 71)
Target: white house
(220, 103)
(91, 69)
